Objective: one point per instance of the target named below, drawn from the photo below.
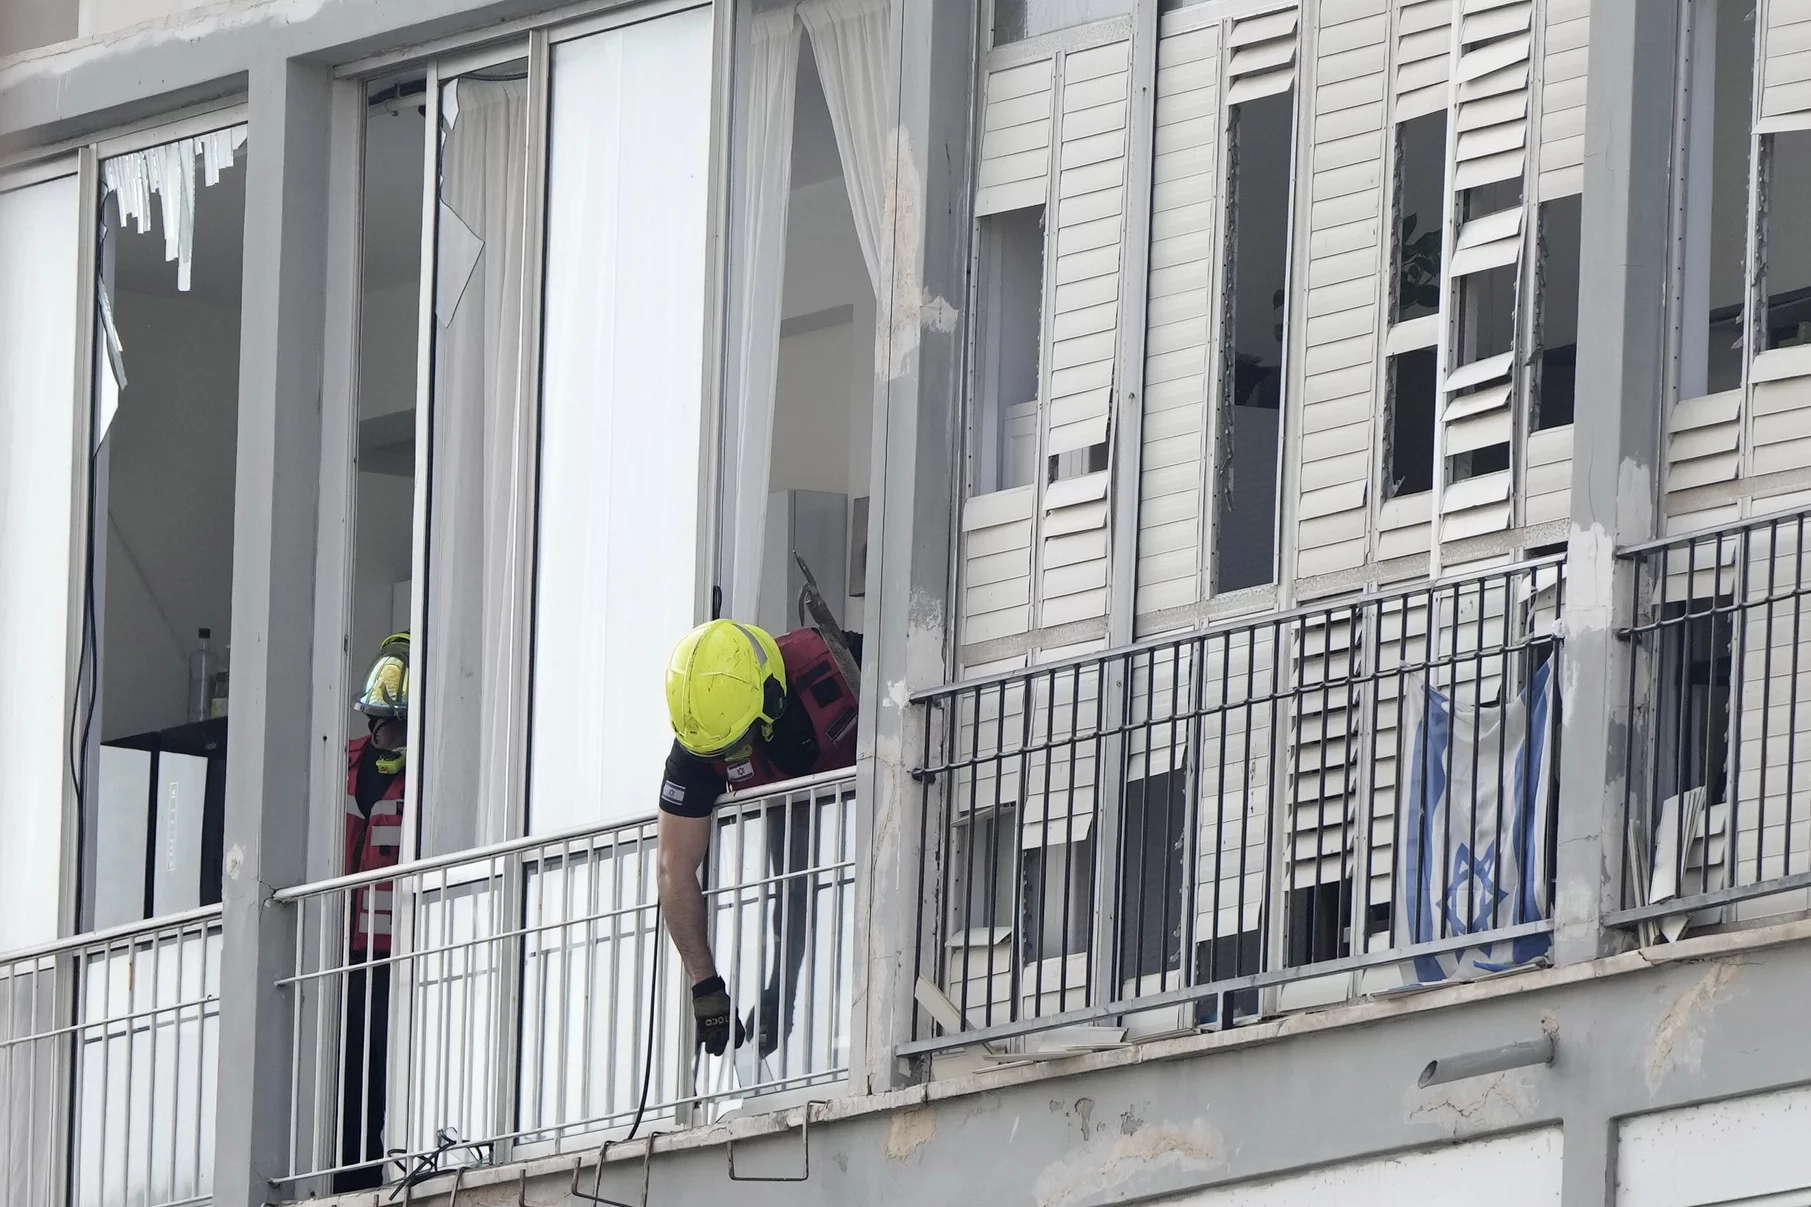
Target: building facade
(1323, 490)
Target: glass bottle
(202, 666)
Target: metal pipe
(1492, 1060)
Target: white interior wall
(1789, 196)
(171, 455)
(1729, 144)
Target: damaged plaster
(1677, 1040)
(909, 1132)
(1475, 1105)
(1119, 1157)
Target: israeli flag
(1476, 816)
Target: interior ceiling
(218, 262)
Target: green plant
(1418, 268)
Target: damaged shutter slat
(1262, 62)
(1184, 257)
(1786, 64)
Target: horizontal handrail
(1234, 624)
(1770, 520)
(740, 802)
(112, 935)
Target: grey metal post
(918, 375)
(1622, 341)
(280, 368)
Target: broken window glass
(1556, 323)
(1010, 292)
(1717, 168)
(1786, 253)
(1420, 206)
(1252, 358)
(1409, 452)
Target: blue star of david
(1468, 909)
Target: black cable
(647, 1073)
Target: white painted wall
(99, 16)
(1721, 1152)
(824, 398)
(171, 457)
(1515, 1171)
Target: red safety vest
(815, 682)
(373, 842)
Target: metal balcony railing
(523, 999)
(1718, 806)
(1364, 788)
(108, 1048)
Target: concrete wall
(1187, 1120)
(29, 24)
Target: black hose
(647, 1073)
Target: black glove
(714, 1014)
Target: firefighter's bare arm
(683, 844)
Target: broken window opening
(1491, 459)
(1556, 316)
(1220, 959)
(986, 852)
(1151, 888)
(1409, 433)
(1717, 165)
(1420, 201)
(1253, 340)
(1785, 259)
(1320, 923)
(1078, 463)
(1016, 20)
(1010, 292)
(158, 620)
(1487, 313)
(1057, 895)
(1491, 198)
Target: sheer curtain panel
(621, 409)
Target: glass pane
(39, 245)
(1011, 295)
(616, 557)
(476, 528)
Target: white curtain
(39, 244)
(477, 518)
(621, 410)
(768, 72)
(852, 41)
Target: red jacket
(373, 841)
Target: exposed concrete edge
(1352, 1014)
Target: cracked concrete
(1677, 1038)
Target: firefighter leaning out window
(749, 709)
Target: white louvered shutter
(996, 565)
(1015, 138)
(1348, 242)
(1086, 242)
(1261, 61)
(1323, 743)
(1186, 197)
(1492, 122)
(1564, 53)
(1786, 65)
(1240, 675)
(1423, 57)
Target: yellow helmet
(723, 678)
(386, 691)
